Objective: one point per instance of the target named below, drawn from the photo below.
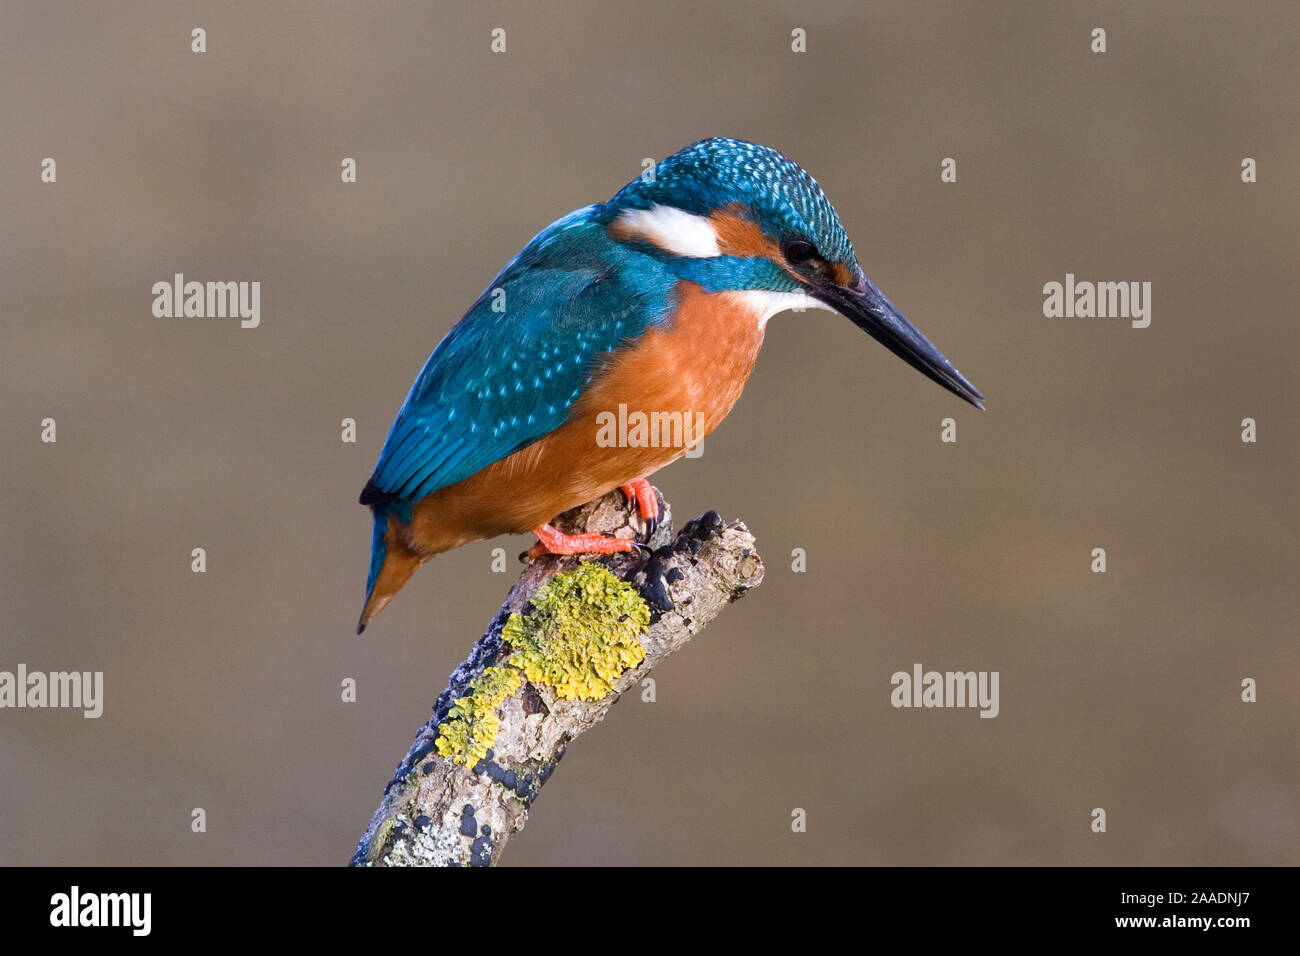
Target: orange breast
(696, 367)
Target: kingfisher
(655, 301)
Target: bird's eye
(798, 250)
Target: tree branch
(571, 637)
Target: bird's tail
(391, 565)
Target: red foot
(641, 494)
(552, 541)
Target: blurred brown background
(222, 689)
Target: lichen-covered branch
(571, 637)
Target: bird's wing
(501, 380)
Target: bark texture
(455, 802)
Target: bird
(654, 301)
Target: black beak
(870, 311)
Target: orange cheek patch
(841, 274)
(619, 229)
(738, 236)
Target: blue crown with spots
(783, 198)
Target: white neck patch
(684, 234)
(765, 304)
(672, 230)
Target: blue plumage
(782, 197)
(510, 371)
(500, 380)
(506, 376)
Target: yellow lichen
(583, 633)
(472, 722)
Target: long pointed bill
(870, 311)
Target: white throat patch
(765, 304)
(684, 234)
(671, 229)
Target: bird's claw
(642, 496)
(551, 540)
